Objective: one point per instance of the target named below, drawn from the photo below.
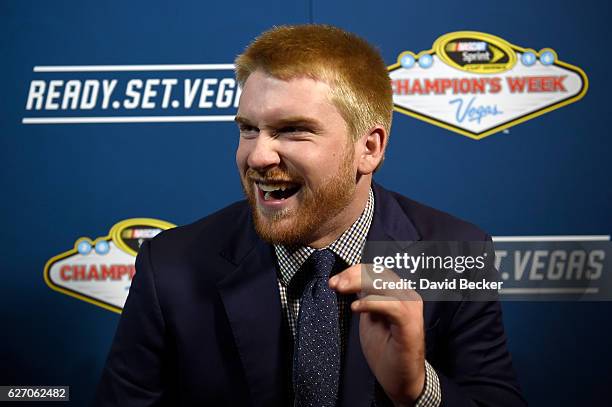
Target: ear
(371, 147)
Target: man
(262, 303)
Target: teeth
(271, 188)
(267, 188)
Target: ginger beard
(317, 207)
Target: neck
(346, 218)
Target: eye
(246, 127)
(294, 129)
(248, 131)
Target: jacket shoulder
(204, 236)
(434, 224)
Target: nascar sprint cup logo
(477, 84)
(100, 271)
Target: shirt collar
(348, 246)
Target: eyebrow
(241, 120)
(288, 121)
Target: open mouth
(277, 191)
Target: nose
(264, 153)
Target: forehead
(265, 97)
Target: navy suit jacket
(203, 326)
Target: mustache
(272, 175)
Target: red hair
(354, 69)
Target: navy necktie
(316, 357)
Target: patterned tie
(316, 358)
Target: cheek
(301, 158)
(314, 167)
(242, 153)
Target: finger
(386, 283)
(397, 312)
(357, 279)
(348, 281)
(361, 279)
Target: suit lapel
(252, 303)
(389, 223)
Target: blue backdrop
(548, 176)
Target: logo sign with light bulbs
(477, 84)
(100, 271)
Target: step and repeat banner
(116, 122)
